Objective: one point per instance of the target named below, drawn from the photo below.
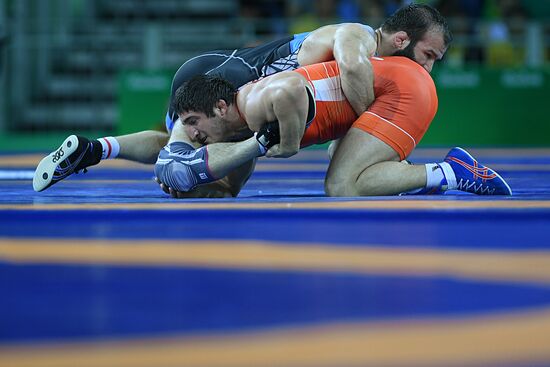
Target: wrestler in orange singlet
(366, 161)
(405, 104)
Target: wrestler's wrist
(262, 149)
(268, 136)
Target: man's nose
(191, 131)
(429, 65)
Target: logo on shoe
(60, 153)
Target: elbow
(283, 151)
(288, 150)
(354, 39)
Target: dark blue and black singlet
(239, 66)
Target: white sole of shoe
(44, 171)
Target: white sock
(449, 175)
(434, 175)
(111, 148)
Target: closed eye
(190, 121)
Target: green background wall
(491, 107)
(477, 107)
(143, 100)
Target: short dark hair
(416, 20)
(200, 94)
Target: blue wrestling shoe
(75, 154)
(472, 176)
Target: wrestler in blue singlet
(241, 66)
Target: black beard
(407, 52)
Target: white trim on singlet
(391, 123)
(312, 87)
(285, 63)
(227, 58)
(232, 56)
(307, 72)
(220, 65)
(328, 90)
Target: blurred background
(98, 67)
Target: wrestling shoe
(75, 154)
(472, 176)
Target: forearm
(291, 134)
(226, 187)
(290, 107)
(353, 46)
(357, 86)
(223, 158)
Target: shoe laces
(466, 185)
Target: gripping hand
(268, 136)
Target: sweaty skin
(350, 45)
(367, 160)
(328, 42)
(262, 102)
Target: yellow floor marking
(520, 337)
(510, 266)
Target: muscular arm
(350, 44)
(290, 110)
(352, 48)
(183, 165)
(283, 98)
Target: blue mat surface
(107, 258)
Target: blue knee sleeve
(182, 167)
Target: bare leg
(363, 165)
(391, 178)
(143, 146)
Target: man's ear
(401, 40)
(221, 107)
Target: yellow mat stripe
(511, 266)
(515, 337)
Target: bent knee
(335, 187)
